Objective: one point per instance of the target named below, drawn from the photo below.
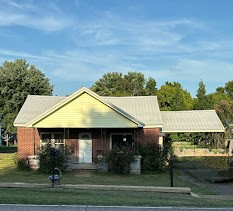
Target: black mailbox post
(54, 154)
(171, 170)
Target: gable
(84, 111)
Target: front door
(85, 148)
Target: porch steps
(84, 166)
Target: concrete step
(84, 166)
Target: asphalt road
(98, 208)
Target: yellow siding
(85, 112)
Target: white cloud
(147, 35)
(18, 54)
(32, 16)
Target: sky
(75, 42)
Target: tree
(131, 84)
(109, 85)
(17, 80)
(214, 98)
(201, 102)
(171, 96)
(224, 109)
(220, 90)
(134, 83)
(178, 100)
(151, 86)
(229, 89)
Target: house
(91, 125)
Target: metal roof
(34, 106)
(141, 109)
(131, 107)
(144, 108)
(191, 121)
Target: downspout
(34, 131)
(135, 141)
(101, 138)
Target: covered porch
(85, 145)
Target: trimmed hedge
(10, 149)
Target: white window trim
(111, 134)
(52, 137)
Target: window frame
(52, 138)
(112, 134)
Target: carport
(194, 121)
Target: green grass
(93, 197)
(9, 173)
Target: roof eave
(194, 131)
(19, 125)
(154, 126)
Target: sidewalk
(99, 187)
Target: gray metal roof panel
(191, 121)
(34, 106)
(143, 108)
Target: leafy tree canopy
(172, 97)
(224, 109)
(131, 84)
(17, 80)
(229, 89)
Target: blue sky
(75, 42)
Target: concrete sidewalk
(100, 187)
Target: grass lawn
(60, 196)
(9, 173)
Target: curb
(132, 188)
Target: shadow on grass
(10, 173)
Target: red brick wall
(26, 138)
(147, 136)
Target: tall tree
(130, 84)
(171, 96)
(134, 83)
(111, 84)
(17, 80)
(151, 86)
(220, 90)
(201, 102)
(224, 109)
(229, 89)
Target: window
(121, 140)
(55, 139)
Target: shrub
(46, 159)
(23, 165)
(154, 157)
(119, 159)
